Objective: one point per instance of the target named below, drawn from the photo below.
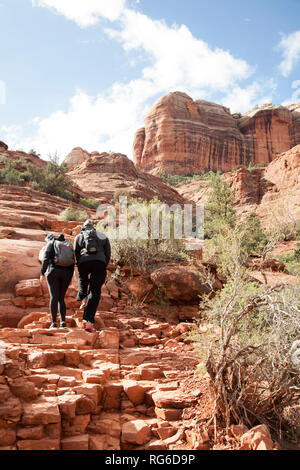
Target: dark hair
(60, 238)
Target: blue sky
(85, 72)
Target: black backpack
(64, 253)
(90, 240)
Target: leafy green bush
(219, 210)
(51, 180)
(3, 158)
(292, 260)
(237, 167)
(257, 165)
(71, 214)
(179, 180)
(90, 203)
(9, 175)
(255, 239)
(34, 152)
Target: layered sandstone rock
(269, 192)
(185, 136)
(19, 156)
(99, 176)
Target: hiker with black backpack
(92, 252)
(58, 265)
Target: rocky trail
(127, 386)
(131, 385)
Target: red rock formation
(99, 176)
(76, 157)
(185, 136)
(260, 190)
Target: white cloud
(175, 60)
(84, 12)
(289, 47)
(240, 100)
(95, 123)
(295, 98)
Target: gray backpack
(64, 253)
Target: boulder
(7, 437)
(42, 444)
(109, 338)
(32, 433)
(136, 432)
(29, 288)
(173, 399)
(134, 391)
(75, 442)
(40, 412)
(255, 437)
(19, 261)
(182, 283)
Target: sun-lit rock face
(101, 175)
(185, 136)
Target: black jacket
(103, 254)
(48, 260)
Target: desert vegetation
(142, 253)
(71, 214)
(248, 351)
(178, 180)
(51, 180)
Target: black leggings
(58, 281)
(91, 277)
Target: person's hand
(41, 277)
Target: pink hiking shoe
(89, 327)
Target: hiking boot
(89, 327)
(53, 326)
(63, 325)
(83, 304)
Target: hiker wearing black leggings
(58, 280)
(92, 252)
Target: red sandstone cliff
(101, 175)
(185, 136)
(265, 191)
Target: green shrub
(90, 203)
(71, 214)
(292, 260)
(219, 210)
(3, 158)
(255, 239)
(237, 167)
(142, 253)
(34, 152)
(252, 167)
(121, 193)
(247, 352)
(9, 175)
(179, 180)
(51, 180)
